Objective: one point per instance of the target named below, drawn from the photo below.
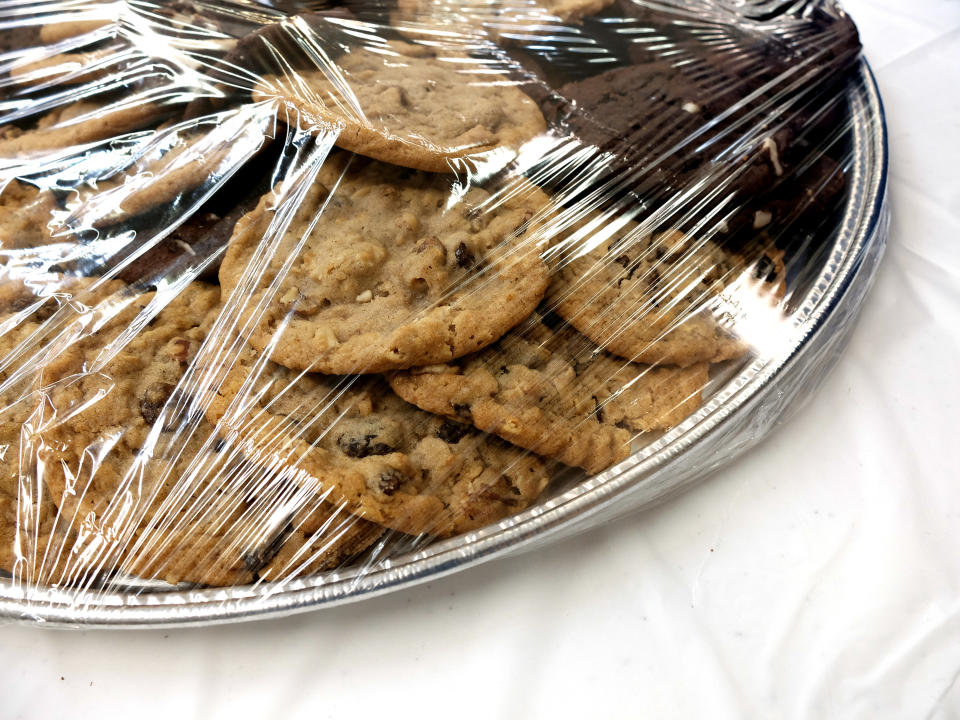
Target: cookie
(175, 169)
(645, 298)
(381, 268)
(55, 32)
(321, 537)
(130, 468)
(437, 10)
(200, 240)
(33, 545)
(554, 393)
(76, 123)
(409, 105)
(360, 447)
(26, 217)
(68, 68)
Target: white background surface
(818, 577)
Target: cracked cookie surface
(555, 393)
(382, 268)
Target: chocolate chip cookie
(359, 446)
(26, 218)
(34, 546)
(77, 123)
(555, 393)
(411, 105)
(131, 470)
(383, 268)
(645, 297)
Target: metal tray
(740, 413)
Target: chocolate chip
(361, 447)
(452, 432)
(153, 400)
(465, 258)
(390, 481)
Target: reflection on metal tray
(747, 400)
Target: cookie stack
(335, 310)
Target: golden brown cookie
(67, 29)
(77, 123)
(176, 166)
(382, 268)
(133, 472)
(554, 393)
(361, 447)
(405, 104)
(68, 68)
(645, 297)
(26, 217)
(34, 546)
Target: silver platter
(746, 406)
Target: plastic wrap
(303, 302)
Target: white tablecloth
(817, 577)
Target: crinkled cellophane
(303, 302)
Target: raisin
(552, 320)
(361, 447)
(499, 490)
(764, 267)
(465, 258)
(390, 481)
(153, 400)
(452, 432)
(181, 351)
